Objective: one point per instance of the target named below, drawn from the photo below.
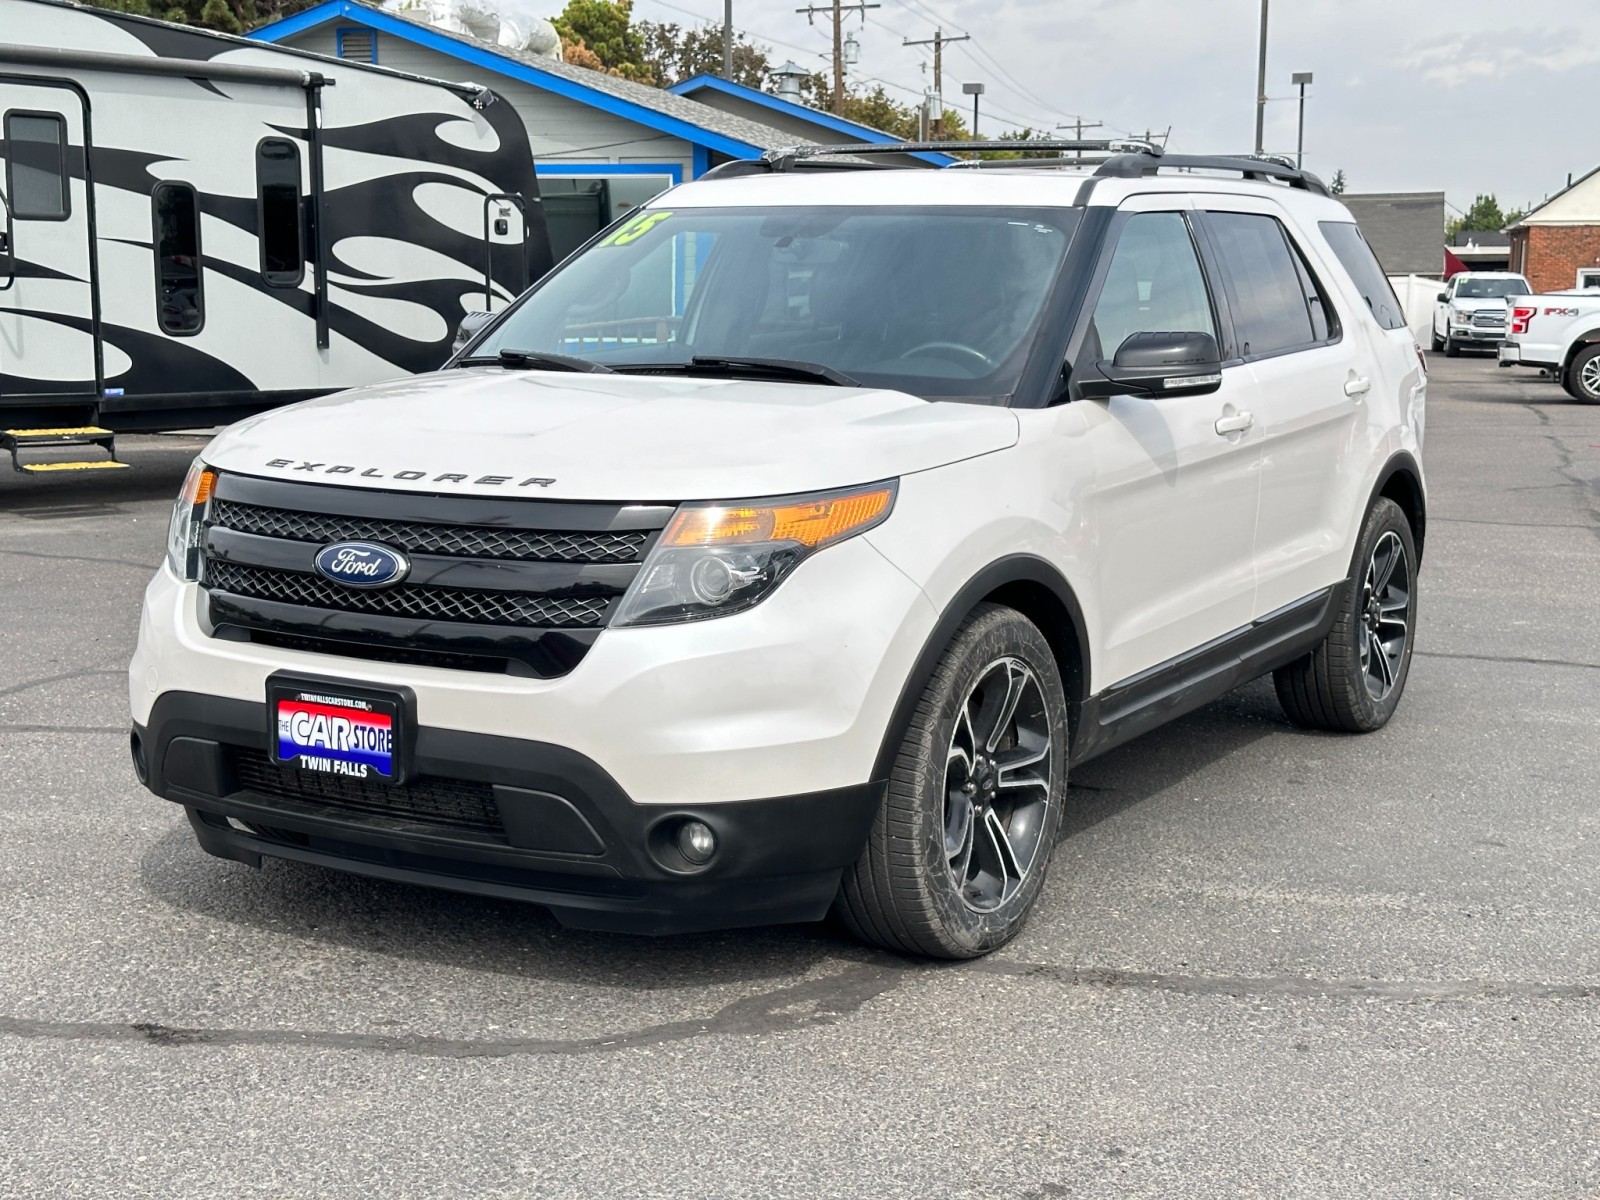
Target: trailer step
(104, 464)
(66, 436)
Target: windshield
(1485, 289)
(938, 302)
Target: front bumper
(1477, 333)
(564, 834)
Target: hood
(559, 435)
(1474, 303)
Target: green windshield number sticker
(636, 228)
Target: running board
(78, 436)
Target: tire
(1438, 342)
(958, 851)
(1353, 681)
(1452, 348)
(1582, 379)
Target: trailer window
(283, 262)
(180, 298)
(36, 166)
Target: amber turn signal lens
(197, 488)
(811, 521)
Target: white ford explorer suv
(784, 549)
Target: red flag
(1452, 265)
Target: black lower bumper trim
(567, 837)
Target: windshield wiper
(733, 365)
(525, 360)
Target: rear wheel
(1352, 682)
(1582, 379)
(957, 854)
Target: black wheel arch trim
(1013, 569)
(1402, 463)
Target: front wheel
(1452, 348)
(1352, 682)
(958, 851)
(1438, 342)
(1582, 380)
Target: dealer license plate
(337, 732)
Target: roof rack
(1111, 159)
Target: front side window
(1276, 306)
(278, 192)
(932, 301)
(36, 166)
(180, 301)
(1153, 285)
(1353, 253)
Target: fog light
(696, 842)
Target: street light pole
(1301, 78)
(1261, 85)
(974, 90)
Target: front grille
(456, 804)
(1489, 319)
(458, 541)
(417, 603)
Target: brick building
(1557, 245)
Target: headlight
(719, 558)
(1464, 315)
(183, 534)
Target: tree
(605, 29)
(1336, 185)
(673, 54)
(1482, 216)
(226, 16)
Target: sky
(1459, 96)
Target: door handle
(1237, 423)
(1358, 385)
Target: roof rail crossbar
(1251, 166)
(784, 159)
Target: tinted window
(278, 188)
(180, 306)
(1269, 295)
(36, 166)
(1357, 258)
(1154, 285)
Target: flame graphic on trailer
(198, 226)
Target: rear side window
(283, 262)
(1153, 285)
(36, 166)
(180, 302)
(1357, 257)
(1277, 305)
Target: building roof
(649, 106)
(1404, 229)
(1483, 239)
(828, 127)
(1576, 204)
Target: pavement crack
(804, 1005)
(65, 676)
(1509, 658)
(110, 562)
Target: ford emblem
(362, 564)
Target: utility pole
(1078, 126)
(937, 41)
(838, 10)
(1301, 78)
(727, 40)
(1261, 86)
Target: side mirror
(1155, 364)
(1443, 296)
(468, 329)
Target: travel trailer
(197, 227)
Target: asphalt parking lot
(1267, 963)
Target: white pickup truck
(1472, 309)
(1557, 332)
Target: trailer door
(48, 323)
